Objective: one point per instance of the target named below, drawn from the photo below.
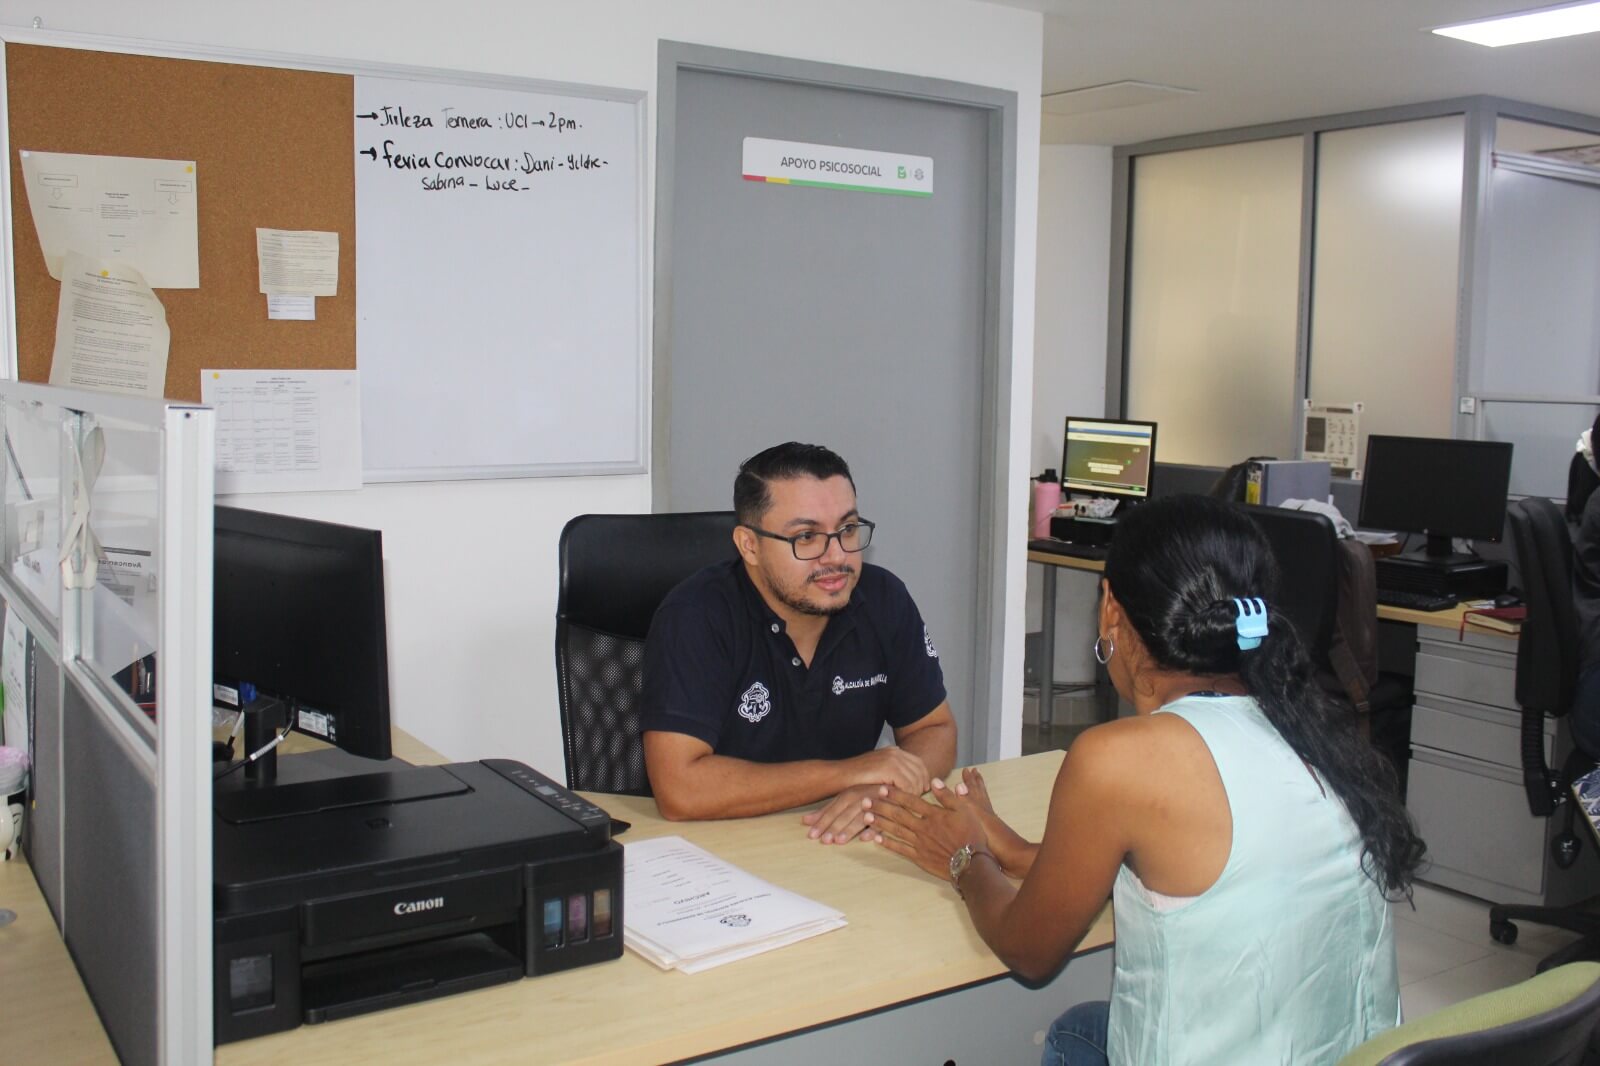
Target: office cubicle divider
(107, 561)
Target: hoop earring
(1104, 649)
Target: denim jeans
(1078, 1037)
(1584, 720)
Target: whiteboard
(500, 292)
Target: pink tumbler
(1046, 498)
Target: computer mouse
(1508, 599)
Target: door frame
(995, 416)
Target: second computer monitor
(1108, 457)
(298, 612)
(1441, 487)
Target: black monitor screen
(1445, 488)
(1103, 456)
(298, 613)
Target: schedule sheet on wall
(285, 431)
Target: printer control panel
(596, 822)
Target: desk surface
(1450, 619)
(908, 937)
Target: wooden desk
(908, 939)
(1053, 562)
(48, 1016)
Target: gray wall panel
(44, 820)
(113, 928)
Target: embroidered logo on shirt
(756, 703)
(841, 686)
(927, 642)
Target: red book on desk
(1500, 619)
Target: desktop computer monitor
(1441, 488)
(1435, 486)
(1108, 457)
(298, 612)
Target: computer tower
(1271, 481)
(1466, 579)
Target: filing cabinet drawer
(1474, 730)
(1467, 672)
(1474, 818)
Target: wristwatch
(959, 863)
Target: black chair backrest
(615, 571)
(1306, 546)
(1547, 652)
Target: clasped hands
(893, 813)
(842, 818)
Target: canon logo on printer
(417, 906)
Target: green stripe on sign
(857, 188)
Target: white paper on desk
(111, 330)
(689, 910)
(136, 211)
(297, 262)
(285, 431)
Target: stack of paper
(688, 910)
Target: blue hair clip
(1251, 622)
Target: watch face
(959, 861)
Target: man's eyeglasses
(813, 543)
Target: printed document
(141, 212)
(688, 910)
(285, 431)
(297, 262)
(111, 330)
(14, 683)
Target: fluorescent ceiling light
(1568, 20)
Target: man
(768, 679)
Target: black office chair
(615, 570)
(1305, 545)
(1547, 676)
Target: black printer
(338, 893)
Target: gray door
(851, 319)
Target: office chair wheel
(1503, 932)
(1564, 850)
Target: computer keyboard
(1416, 601)
(1067, 547)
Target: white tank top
(1289, 957)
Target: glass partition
(1213, 291)
(35, 435)
(108, 553)
(1386, 273)
(1544, 434)
(119, 632)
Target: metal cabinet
(1465, 785)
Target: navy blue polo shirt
(719, 665)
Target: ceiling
(1255, 61)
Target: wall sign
(825, 166)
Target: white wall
(1069, 368)
(472, 566)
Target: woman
(1251, 839)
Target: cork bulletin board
(256, 134)
(492, 288)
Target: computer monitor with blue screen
(1108, 457)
